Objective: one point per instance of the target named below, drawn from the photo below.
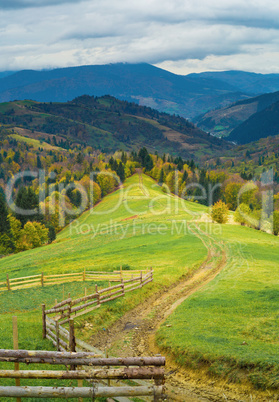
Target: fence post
(70, 308)
(98, 295)
(107, 367)
(8, 282)
(151, 273)
(44, 320)
(15, 342)
(42, 279)
(141, 279)
(57, 335)
(72, 341)
(83, 275)
(123, 287)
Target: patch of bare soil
(134, 335)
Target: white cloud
(180, 36)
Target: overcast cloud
(181, 36)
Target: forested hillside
(108, 124)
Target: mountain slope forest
(260, 125)
(108, 124)
(221, 122)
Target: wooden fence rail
(72, 308)
(72, 392)
(131, 368)
(44, 280)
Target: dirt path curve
(134, 333)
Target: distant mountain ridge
(246, 82)
(222, 122)
(143, 83)
(262, 124)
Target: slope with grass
(130, 227)
(230, 327)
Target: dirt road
(134, 333)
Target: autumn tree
(220, 212)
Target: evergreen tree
(185, 177)
(162, 176)
(4, 221)
(39, 163)
(121, 172)
(27, 199)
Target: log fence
(105, 375)
(41, 279)
(70, 308)
(97, 368)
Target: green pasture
(231, 326)
(137, 227)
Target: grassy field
(134, 227)
(231, 326)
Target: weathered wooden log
(119, 373)
(109, 289)
(8, 282)
(111, 294)
(84, 298)
(132, 280)
(67, 301)
(25, 277)
(82, 313)
(71, 392)
(64, 275)
(23, 282)
(112, 298)
(78, 358)
(74, 309)
(44, 320)
(134, 288)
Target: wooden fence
(69, 308)
(44, 280)
(131, 368)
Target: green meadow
(231, 325)
(133, 228)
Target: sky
(179, 36)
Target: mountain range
(187, 95)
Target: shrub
(242, 214)
(220, 212)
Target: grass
(36, 143)
(139, 233)
(231, 326)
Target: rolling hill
(145, 84)
(226, 327)
(109, 124)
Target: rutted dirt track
(134, 334)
